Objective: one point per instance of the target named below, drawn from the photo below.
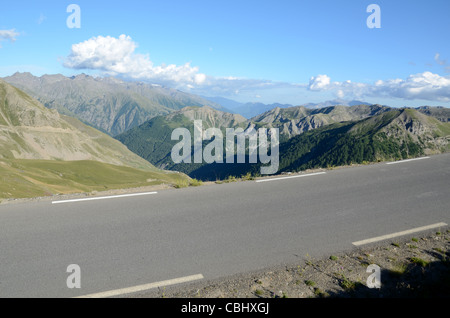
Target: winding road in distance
(127, 244)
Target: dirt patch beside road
(413, 267)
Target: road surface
(208, 232)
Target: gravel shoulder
(410, 267)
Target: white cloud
(319, 82)
(10, 35)
(116, 56)
(424, 86)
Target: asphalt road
(216, 230)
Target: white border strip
(406, 160)
(389, 236)
(290, 177)
(144, 287)
(103, 198)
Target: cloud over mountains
(426, 86)
(118, 57)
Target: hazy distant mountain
(252, 109)
(248, 110)
(108, 104)
(335, 102)
(229, 105)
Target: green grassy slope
(22, 178)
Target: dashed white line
(406, 160)
(104, 198)
(290, 177)
(389, 236)
(139, 288)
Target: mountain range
(252, 109)
(55, 120)
(43, 152)
(309, 138)
(388, 136)
(293, 121)
(108, 104)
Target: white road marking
(406, 160)
(389, 236)
(139, 288)
(104, 198)
(290, 177)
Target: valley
(65, 128)
(309, 138)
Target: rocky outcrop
(293, 121)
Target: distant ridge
(293, 121)
(252, 109)
(439, 112)
(335, 102)
(108, 104)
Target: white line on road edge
(406, 160)
(103, 198)
(389, 236)
(290, 177)
(144, 287)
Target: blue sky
(262, 51)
